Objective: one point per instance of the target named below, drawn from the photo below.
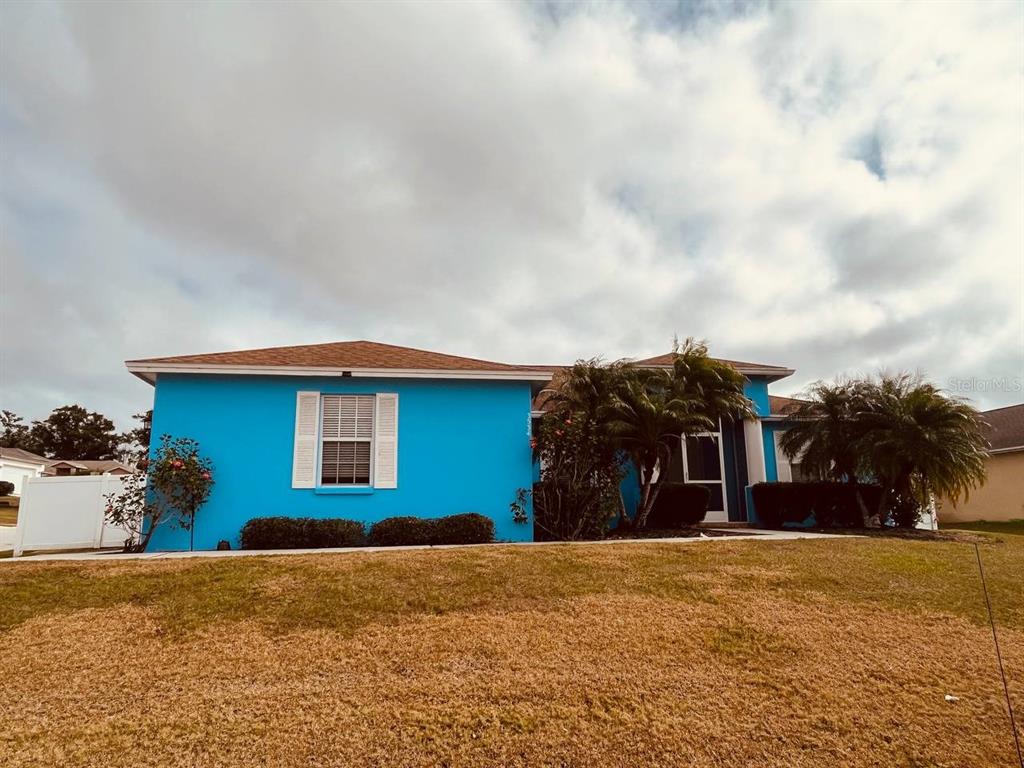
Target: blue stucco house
(365, 431)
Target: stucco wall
(462, 447)
(1001, 498)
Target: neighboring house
(1002, 495)
(69, 467)
(364, 431)
(16, 465)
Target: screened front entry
(704, 464)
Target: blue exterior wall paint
(463, 446)
(630, 489)
(757, 390)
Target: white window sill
(345, 490)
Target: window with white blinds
(346, 439)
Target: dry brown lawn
(810, 653)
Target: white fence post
(19, 530)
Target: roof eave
(147, 371)
(768, 373)
(1011, 449)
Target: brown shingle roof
(782, 405)
(1006, 427)
(341, 354)
(742, 367)
(18, 454)
(91, 465)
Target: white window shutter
(782, 465)
(307, 423)
(385, 459)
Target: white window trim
(721, 466)
(320, 441)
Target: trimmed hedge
(311, 533)
(301, 533)
(679, 505)
(468, 528)
(401, 531)
(833, 505)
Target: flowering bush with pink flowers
(577, 496)
(176, 483)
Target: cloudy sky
(834, 187)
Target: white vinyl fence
(67, 513)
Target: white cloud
(830, 186)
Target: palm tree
(917, 441)
(898, 431)
(654, 409)
(587, 388)
(823, 432)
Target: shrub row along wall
(829, 504)
(679, 505)
(313, 533)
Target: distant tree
(136, 441)
(15, 432)
(72, 432)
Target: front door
(704, 464)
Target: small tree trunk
(647, 496)
(865, 513)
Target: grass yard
(803, 653)
(995, 526)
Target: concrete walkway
(760, 535)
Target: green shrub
(6, 487)
(905, 511)
(468, 528)
(679, 505)
(831, 504)
(770, 503)
(301, 533)
(567, 510)
(400, 532)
